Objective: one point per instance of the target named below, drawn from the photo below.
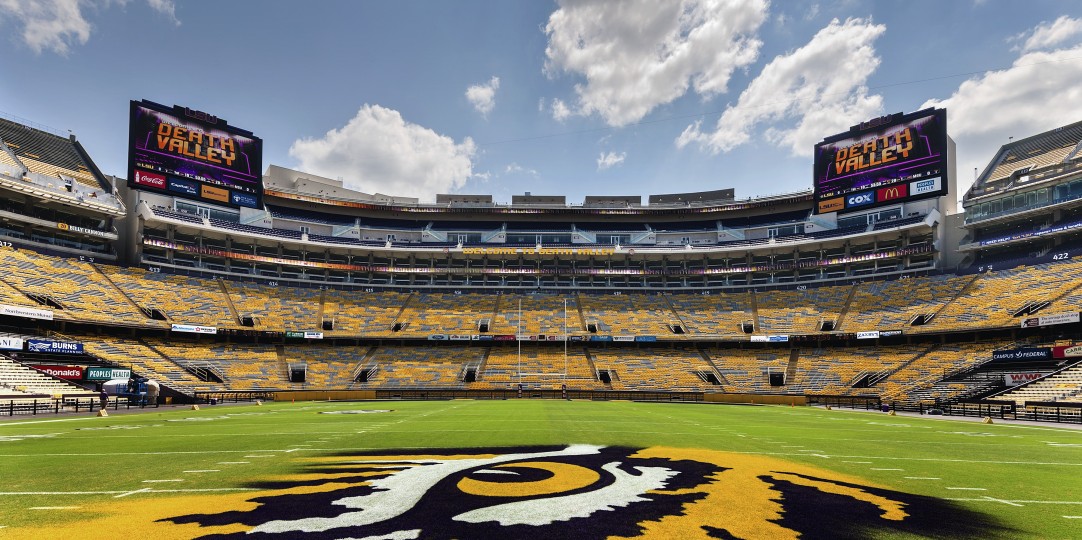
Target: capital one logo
(150, 179)
(860, 199)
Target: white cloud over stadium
(802, 96)
(378, 151)
(634, 56)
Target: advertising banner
(1069, 351)
(759, 339)
(313, 335)
(53, 347)
(646, 338)
(106, 373)
(1051, 319)
(623, 338)
(1031, 353)
(777, 339)
(193, 329)
(11, 344)
(600, 338)
(1015, 379)
(873, 334)
(68, 373)
(25, 312)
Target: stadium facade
(871, 283)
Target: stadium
(542, 340)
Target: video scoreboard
(891, 159)
(191, 154)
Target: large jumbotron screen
(194, 155)
(892, 159)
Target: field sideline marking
(1014, 502)
(145, 453)
(18, 423)
(53, 507)
(233, 462)
(1002, 501)
(921, 478)
(203, 470)
(114, 492)
(144, 490)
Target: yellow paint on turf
(565, 477)
(147, 516)
(751, 506)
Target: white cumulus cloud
(59, 25)
(514, 168)
(483, 96)
(1039, 92)
(165, 7)
(802, 95)
(610, 159)
(634, 55)
(53, 25)
(560, 110)
(1048, 34)
(379, 151)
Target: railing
(846, 402)
(214, 398)
(11, 406)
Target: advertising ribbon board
(53, 347)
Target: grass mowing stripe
(955, 453)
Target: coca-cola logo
(150, 179)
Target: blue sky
(575, 98)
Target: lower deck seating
(17, 379)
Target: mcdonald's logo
(893, 192)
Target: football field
(534, 469)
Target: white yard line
(117, 492)
(1011, 503)
(144, 490)
(183, 452)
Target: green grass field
(535, 469)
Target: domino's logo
(860, 199)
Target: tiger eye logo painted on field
(578, 491)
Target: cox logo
(860, 199)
